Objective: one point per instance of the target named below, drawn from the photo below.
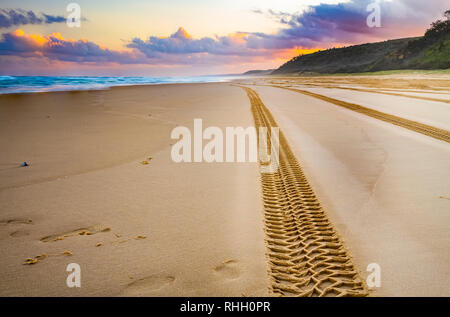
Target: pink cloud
(54, 46)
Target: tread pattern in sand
(382, 92)
(425, 129)
(306, 256)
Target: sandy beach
(203, 229)
(165, 228)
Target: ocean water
(21, 84)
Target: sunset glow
(195, 37)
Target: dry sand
(200, 225)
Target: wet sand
(161, 229)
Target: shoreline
(111, 86)
(408, 74)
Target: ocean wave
(30, 84)
(7, 78)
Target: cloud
(242, 45)
(53, 18)
(14, 17)
(181, 42)
(180, 49)
(345, 23)
(318, 26)
(31, 54)
(54, 46)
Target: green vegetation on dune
(431, 51)
(357, 58)
(375, 73)
(436, 55)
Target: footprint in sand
(77, 232)
(228, 269)
(13, 222)
(19, 233)
(16, 221)
(148, 284)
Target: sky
(192, 37)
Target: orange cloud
(184, 33)
(35, 39)
(55, 46)
(239, 37)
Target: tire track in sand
(306, 257)
(415, 126)
(382, 92)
